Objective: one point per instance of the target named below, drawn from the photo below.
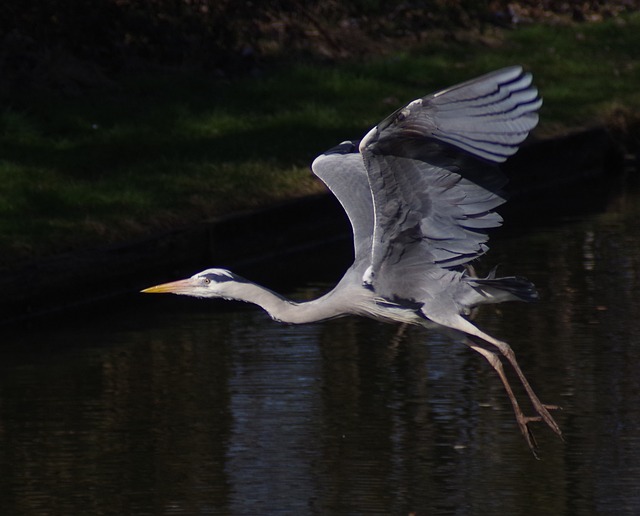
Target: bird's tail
(497, 290)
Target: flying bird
(420, 191)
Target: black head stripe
(217, 278)
(223, 276)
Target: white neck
(284, 310)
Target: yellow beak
(173, 287)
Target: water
(166, 405)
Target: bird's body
(419, 190)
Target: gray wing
(342, 170)
(432, 174)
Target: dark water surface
(165, 405)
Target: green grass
(157, 152)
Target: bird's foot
(543, 416)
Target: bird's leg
(399, 335)
(395, 341)
(522, 420)
(505, 349)
(540, 408)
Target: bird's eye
(206, 281)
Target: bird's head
(208, 283)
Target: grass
(163, 151)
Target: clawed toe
(527, 433)
(543, 416)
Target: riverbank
(148, 151)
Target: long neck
(284, 310)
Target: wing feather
(342, 170)
(432, 172)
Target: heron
(420, 190)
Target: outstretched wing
(432, 174)
(342, 170)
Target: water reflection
(174, 406)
